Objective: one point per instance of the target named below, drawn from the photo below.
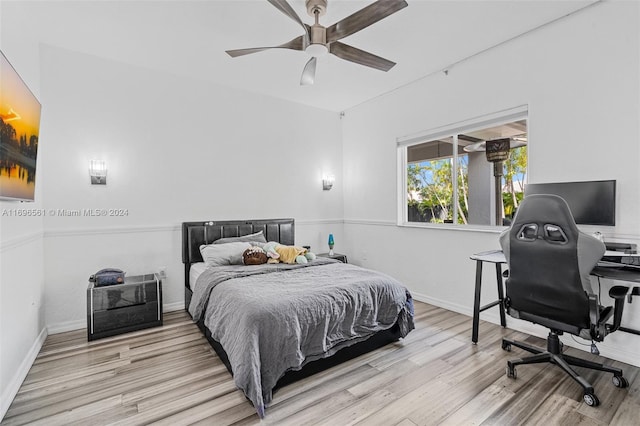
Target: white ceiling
(189, 38)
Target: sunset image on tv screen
(19, 131)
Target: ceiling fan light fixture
(319, 40)
(316, 49)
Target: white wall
(22, 311)
(176, 150)
(22, 325)
(180, 149)
(579, 78)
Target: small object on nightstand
(331, 244)
(108, 276)
(337, 256)
(121, 308)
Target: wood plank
(406, 422)
(311, 411)
(436, 352)
(175, 384)
(82, 412)
(70, 397)
(347, 373)
(301, 398)
(479, 408)
(25, 402)
(170, 375)
(607, 392)
(449, 394)
(529, 398)
(183, 403)
(557, 409)
(628, 410)
(242, 412)
(406, 404)
(204, 410)
(383, 378)
(358, 410)
(72, 373)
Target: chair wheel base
(620, 382)
(511, 372)
(591, 400)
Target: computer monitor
(591, 202)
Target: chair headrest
(544, 216)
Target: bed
(273, 324)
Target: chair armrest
(594, 309)
(594, 318)
(618, 293)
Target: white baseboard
(171, 307)
(63, 327)
(616, 353)
(14, 386)
(493, 317)
(461, 309)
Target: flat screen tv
(591, 202)
(19, 131)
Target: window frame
(450, 130)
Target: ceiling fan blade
(353, 54)
(309, 73)
(295, 44)
(363, 18)
(284, 7)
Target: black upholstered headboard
(194, 234)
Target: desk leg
(476, 303)
(503, 318)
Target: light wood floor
(169, 375)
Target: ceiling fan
(318, 40)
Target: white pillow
(258, 237)
(223, 254)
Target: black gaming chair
(549, 263)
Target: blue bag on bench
(108, 276)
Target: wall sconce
(327, 182)
(98, 172)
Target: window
(445, 176)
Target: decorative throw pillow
(257, 237)
(254, 256)
(223, 254)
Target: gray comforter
(274, 318)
